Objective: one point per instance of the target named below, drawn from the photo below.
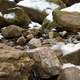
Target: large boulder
(47, 63)
(67, 20)
(15, 16)
(14, 64)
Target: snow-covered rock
(38, 4)
(74, 8)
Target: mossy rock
(67, 20)
(15, 16)
(6, 4)
(11, 31)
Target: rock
(11, 31)
(35, 15)
(53, 34)
(67, 20)
(47, 62)
(21, 40)
(17, 1)
(34, 28)
(30, 36)
(70, 2)
(16, 16)
(72, 58)
(35, 43)
(70, 73)
(6, 4)
(14, 64)
(71, 53)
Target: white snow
(34, 25)
(74, 8)
(69, 48)
(11, 0)
(1, 36)
(50, 17)
(63, 33)
(57, 46)
(9, 16)
(38, 4)
(41, 5)
(1, 14)
(69, 65)
(66, 48)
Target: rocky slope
(39, 40)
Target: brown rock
(71, 73)
(14, 64)
(21, 40)
(47, 62)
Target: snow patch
(11, 0)
(66, 48)
(38, 4)
(1, 14)
(34, 25)
(74, 8)
(9, 16)
(50, 17)
(69, 48)
(69, 65)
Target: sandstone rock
(21, 40)
(67, 20)
(11, 31)
(14, 64)
(35, 42)
(47, 62)
(15, 16)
